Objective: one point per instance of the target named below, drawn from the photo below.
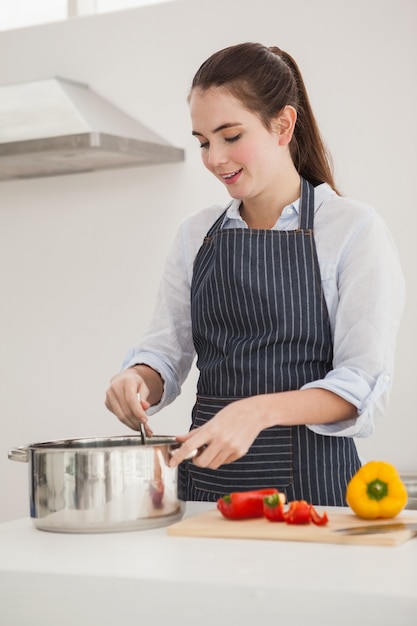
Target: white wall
(80, 255)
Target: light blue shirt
(363, 286)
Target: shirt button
(387, 378)
(289, 210)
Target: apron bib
(260, 325)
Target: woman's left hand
(231, 432)
(225, 438)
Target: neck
(263, 212)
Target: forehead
(216, 106)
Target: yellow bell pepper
(376, 490)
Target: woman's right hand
(127, 397)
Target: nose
(217, 155)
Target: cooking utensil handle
(190, 455)
(19, 454)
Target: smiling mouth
(228, 178)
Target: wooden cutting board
(213, 524)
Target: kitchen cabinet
(150, 577)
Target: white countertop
(148, 577)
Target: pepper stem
(377, 489)
(272, 500)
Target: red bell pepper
(298, 512)
(268, 503)
(274, 508)
(244, 504)
(317, 519)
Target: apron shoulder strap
(217, 225)
(306, 205)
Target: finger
(181, 453)
(148, 430)
(131, 404)
(113, 404)
(127, 408)
(191, 443)
(137, 416)
(211, 457)
(214, 461)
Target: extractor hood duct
(57, 126)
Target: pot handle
(19, 454)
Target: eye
(204, 144)
(232, 139)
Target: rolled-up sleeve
(364, 290)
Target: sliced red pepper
(244, 504)
(274, 508)
(317, 519)
(298, 512)
(268, 503)
(156, 491)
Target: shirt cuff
(171, 389)
(370, 401)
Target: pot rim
(101, 443)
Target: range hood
(57, 126)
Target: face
(235, 145)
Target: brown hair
(265, 80)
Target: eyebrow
(218, 129)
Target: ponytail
(309, 153)
(265, 80)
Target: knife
(377, 528)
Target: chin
(236, 195)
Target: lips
(231, 177)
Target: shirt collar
(321, 193)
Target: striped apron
(260, 325)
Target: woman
(290, 296)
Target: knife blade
(377, 528)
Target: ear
(284, 124)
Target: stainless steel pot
(101, 484)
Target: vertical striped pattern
(252, 302)
(260, 325)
